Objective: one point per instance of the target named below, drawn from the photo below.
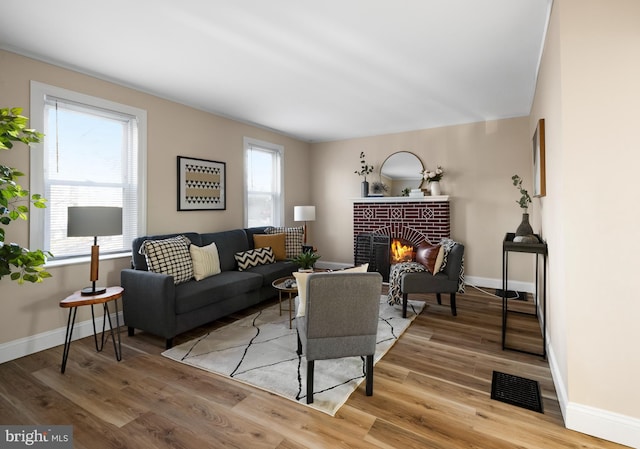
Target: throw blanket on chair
(397, 270)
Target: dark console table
(539, 249)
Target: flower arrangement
(433, 175)
(525, 199)
(365, 168)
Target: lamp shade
(94, 221)
(304, 213)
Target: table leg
(67, 338)
(290, 311)
(107, 316)
(280, 301)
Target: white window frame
(248, 144)
(39, 93)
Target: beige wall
(479, 160)
(173, 130)
(588, 93)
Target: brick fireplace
(410, 219)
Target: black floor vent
(516, 391)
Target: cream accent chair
(340, 320)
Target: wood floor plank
(431, 390)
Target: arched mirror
(400, 171)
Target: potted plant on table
(306, 260)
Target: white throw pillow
(206, 261)
(302, 278)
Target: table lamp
(94, 221)
(304, 213)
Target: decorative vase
(524, 228)
(435, 188)
(365, 188)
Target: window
(263, 200)
(92, 155)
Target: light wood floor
(431, 390)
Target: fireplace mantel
(400, 199)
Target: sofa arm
(148, 302)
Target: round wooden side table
(77, 299)
(282, 285)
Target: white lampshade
(304, 213)
(94, 221)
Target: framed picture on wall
(201, 184)
(539, 172)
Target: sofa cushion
(205, 261)
(275, 241)
(228, 243)
(228, 284)
(254, 257)
(169, 256)
(293, 239)
(271, 272)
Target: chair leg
(310, 366)
(453, 304)
(439, 298)
(370, 375)
(405, 300)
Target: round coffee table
(283, 286)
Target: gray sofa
(153, 303)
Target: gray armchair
(444, 282)
(340, 320)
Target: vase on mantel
(365, 189)
(434, 186)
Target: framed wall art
(201, 184)
(539, 171)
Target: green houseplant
(19, 263)
(306, 260)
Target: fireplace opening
(401, 250)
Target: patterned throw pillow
(206, 261)
(293, 239)
(254, 257)
(169, 256)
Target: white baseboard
(603, 424)
(29, 345)
(528, 287)
(592, 421)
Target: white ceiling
(318, 71)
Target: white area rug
(260, 350)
